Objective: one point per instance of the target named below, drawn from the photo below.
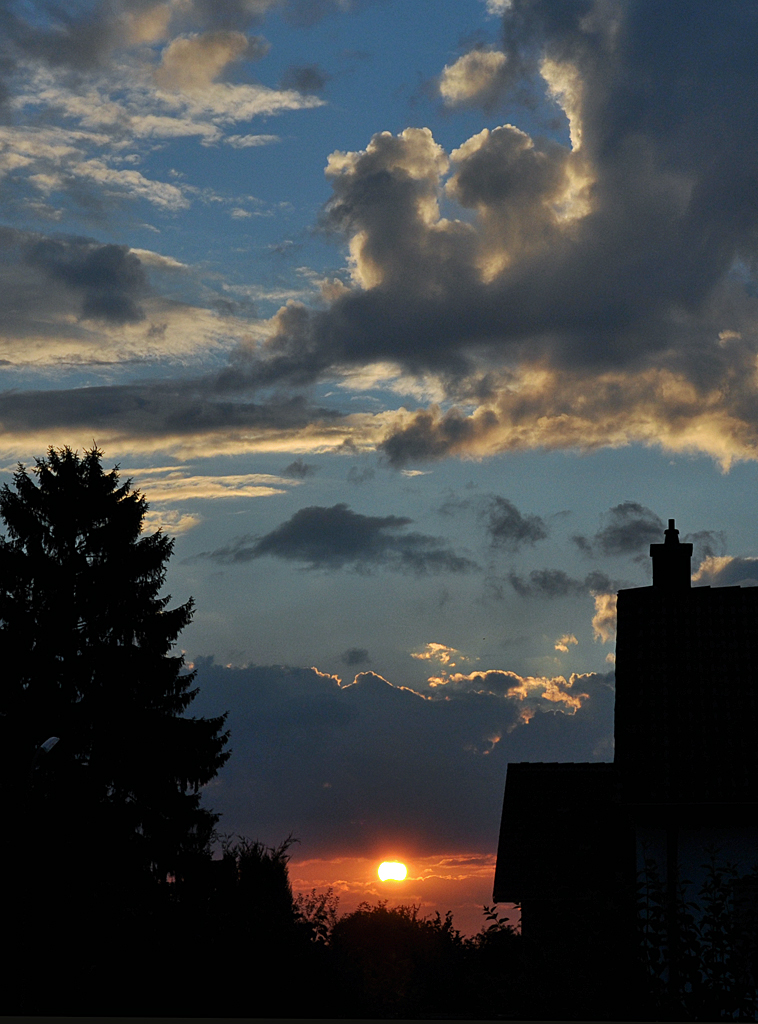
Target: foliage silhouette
(317, 913)
(714, 948)
(87, 638)
(392, 962)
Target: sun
(392, 869)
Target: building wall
(687, 694)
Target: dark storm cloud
(349, 768)
(557, 583)
(110, 278)
(628, 529)
(299, 470)
(307, 78)
(355, 656)
(508, 528)
(337, 537)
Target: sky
(414, 321)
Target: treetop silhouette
(87, 639)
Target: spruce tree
(87, 640)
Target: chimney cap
(672, 534)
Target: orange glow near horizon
(392, 870)
(459, 882)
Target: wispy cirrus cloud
(172, 485)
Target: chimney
(671, 561)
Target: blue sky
(414, 321)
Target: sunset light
(387, 336)
(392, 870)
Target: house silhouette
(575, 837)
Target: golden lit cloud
(604, 619)
(437, 652)
(193, 62)
(475, 77)
(176, 486)
(171, 521)
(561, 644)
(532, 693)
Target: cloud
(72, 300)
(604, 619)
(337, 538)
(355, 656)
(246, 141)
(530, 693)
(305, 78)
(537, 294)
(299, 470)
(727, 571)
(120, 101)
(403, 768)
(477, 78)
(194, 61)
(171, 521)
(85, 40)
(561, 644)
(629, 528)
(187, 418)
(438, 652)
(557, 583)
(572, 299)
(360, 476)
(508, 528)
(109, 277)
(706, 543)
(582, 543)
(175, 485)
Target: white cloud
(245, 141)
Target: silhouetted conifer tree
(86, 638)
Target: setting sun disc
(392, 869)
